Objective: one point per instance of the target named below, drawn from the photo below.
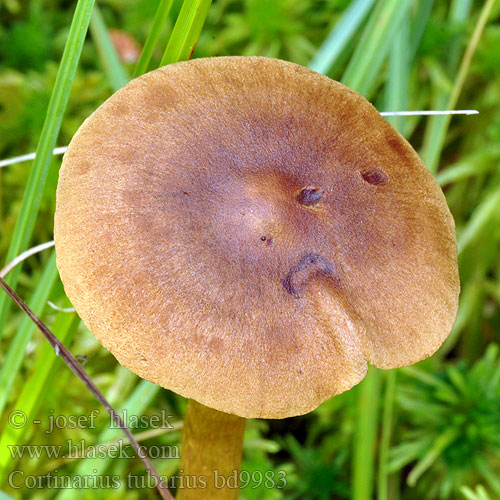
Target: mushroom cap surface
(249, 233)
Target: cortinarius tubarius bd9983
(249, 234)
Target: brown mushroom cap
(249, 233)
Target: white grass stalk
(431, 113)
(23, 256)
(61, 309)
(30, 156)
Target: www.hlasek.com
(78, 449)
(237, 479)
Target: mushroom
(250, 234)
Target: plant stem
(365, 437)
(385, 440)
(211, 448)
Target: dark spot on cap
(310, 196)
(375, 176)
(263, 238)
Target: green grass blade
(486, 212)
(39, 383)
(490, 477)
(471, 300)
(365, 436)
(440, 444)
(124, 382)
(460, 11)
(477, 164)
(153, 36)
(340, 35)
(38, 174)
(136, 404)
(422, 16)
(108, 56)
(479, 494)
(437, 127)
(385, 439)
(17, 347)
(374, 45)
(397, 87)
(186, 31)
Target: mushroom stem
(211, 448)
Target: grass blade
(422, 16)
(186, 31)
(471, 299)
(340, 35)
(17, 348)
(136, 404)
(365, 436)
(31, 396)
(486, 212)
(437, 127)
(385, 439)
(38, 175)
(474, 165)
(153, 36)
(397, 87)
(117, 75)
(440, 444)
(374, 45)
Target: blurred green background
(431, 431)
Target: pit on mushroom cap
(165, 193)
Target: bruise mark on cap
(311, 266)
(375, 176)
